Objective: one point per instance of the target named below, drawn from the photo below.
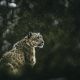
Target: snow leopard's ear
(29, 34)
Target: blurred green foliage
(59, 26)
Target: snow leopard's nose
(42, 42)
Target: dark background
(59, 23)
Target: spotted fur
(22, 54)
